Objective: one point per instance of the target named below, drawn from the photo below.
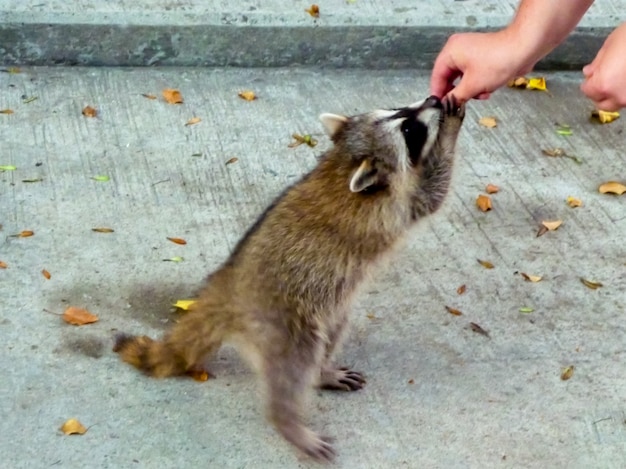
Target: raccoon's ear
(332, 123)
(364, 177)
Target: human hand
(483, 61)
(605, 77)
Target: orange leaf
(313, 10)
(46, 274)
(491, 189)
(177, 240)
(73, 427)
(172, 96)
(483, 202)
(3, 265)
(248, 95)
(461, 289)
(454, 311)
(23, 234)
(199, 375)
(88, 111)
(78, 316)
(574, 202)
(193, 120)
(612, 187)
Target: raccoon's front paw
(341, 379)
(450, 107)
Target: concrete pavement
(438, 396)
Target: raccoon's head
(384, 145)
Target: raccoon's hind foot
(341, 379)
(152, 357)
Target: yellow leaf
(6, 111)
(172, 96)
(88, 111)
(552, 225)
(485, 264)
(78, 316)
(192, 121)
(612, 187)
(489, 122)
(567, 372)
(590, 284)
(73, 427)
(574, 202)
(314, 11)
(248, 95)
(604, 117)
(483, 202)
(185, 305)
(103, 230)
(537, 84)
(531, 278)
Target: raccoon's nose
(432, 102)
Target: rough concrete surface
(266, 33)
(438, 395)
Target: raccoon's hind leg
(343, 378)
(186, 347)
(289, 377)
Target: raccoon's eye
(415, 134)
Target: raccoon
(283, 296)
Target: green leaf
(174, 259)
(8, 167)
(526, 310)
(101, 178)
(30, 100)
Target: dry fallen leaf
(192, 121)
(46, 274)
(538, 83)
(172, 96)
(23, 234)
(604, 117)
(492, 189)
(461, 289)
(199, 375)
(489, 122)
(6, 111)
(3, 265)
(476, 328)
(454, 311)
(73, 427)
(612, 187)
(177, 240)
(531, 278)
(234, 159)
(483, 202)
(574, 202)
(88, 111)
(567, 372)
(103, 230)
(78, 316)
(485, 264)
(560, 152)
(185, 305)
(591, 284)
(248, 95)
(411, 381)
(313, 10)
(552, 225)
(519, 82)
(149, 96)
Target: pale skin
(486, 61)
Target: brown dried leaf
(103, 230)
(591, 284)
(554, 152)
(552, 225)
(492, 189)
(483, 202)
(541, 231)
(78, 316)
(248, 95)
(192, 121)
(3, 265)
(177, 240)
(89, 111)
(411, 381)
(476, 328)
(531, 278)
(486, 264)
(313, 10)
(461, 289)
(234, 159)
(149, 96)
(519, 82)
(23, 234)
(73, 427)
(46, 274)
(172, 96)
(489, 122)
(612, 187)
(574, 202)
(567, 372)
(454, 311)
(6, 111)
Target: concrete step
(270, 33)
